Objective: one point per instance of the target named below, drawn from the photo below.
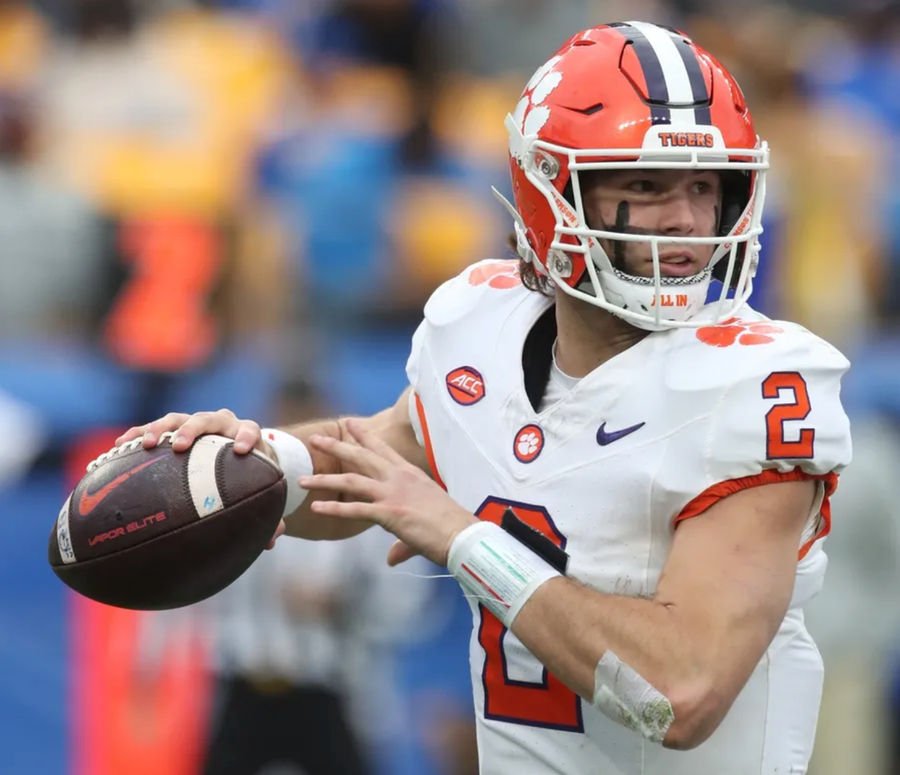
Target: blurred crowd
(245, 203)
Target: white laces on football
(128, 446)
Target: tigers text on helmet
(634, 95)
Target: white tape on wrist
(495, 568)
(294, 459)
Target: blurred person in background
(689, 639)
(24, 38)
(153, 116)
(403, 35)
(54, 279)
(156, 117)
(300, 653)
(51, 242)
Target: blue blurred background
(245, 204)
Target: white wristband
(496, 569)
(294, 459)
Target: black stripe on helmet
(657, 91)
(695, 75)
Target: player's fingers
(222, 422)
(355, 456)
(400, 552)
(279, 531)
(346, 509)
(170, 422)
(132, 433)
(371, 442)
(357, 485)
(247, 436)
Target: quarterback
(626, 468)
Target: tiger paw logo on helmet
(735, 331)
(497, 274)
(530, 114)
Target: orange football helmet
(635, 95)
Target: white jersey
(653, 436)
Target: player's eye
(643, 186)
(705, 185)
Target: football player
(626, 467)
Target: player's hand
(279, 531)
(187, 427)
(391, 492)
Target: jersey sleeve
(777, 417)
(414, 361)
(782, 413)
(448, 313)
(456, 298)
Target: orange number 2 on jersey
(546, 703)
(777, 446)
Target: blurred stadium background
(244, 203)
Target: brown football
(153, 528)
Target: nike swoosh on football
(605, 437)
(90, 500)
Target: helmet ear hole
(721, 268)
(735, 196)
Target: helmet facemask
(580, 265)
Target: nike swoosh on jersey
(605, 437)
(90, 500)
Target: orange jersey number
(777, 446)
(549, 702)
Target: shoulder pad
(459, 295)
(778, 388)
(746, 349)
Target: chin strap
(525, 251)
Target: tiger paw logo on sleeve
(735, 331)
(497, 274)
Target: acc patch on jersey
(465, 385)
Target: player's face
(680, 203)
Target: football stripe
(201, 471)
(63, 536)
